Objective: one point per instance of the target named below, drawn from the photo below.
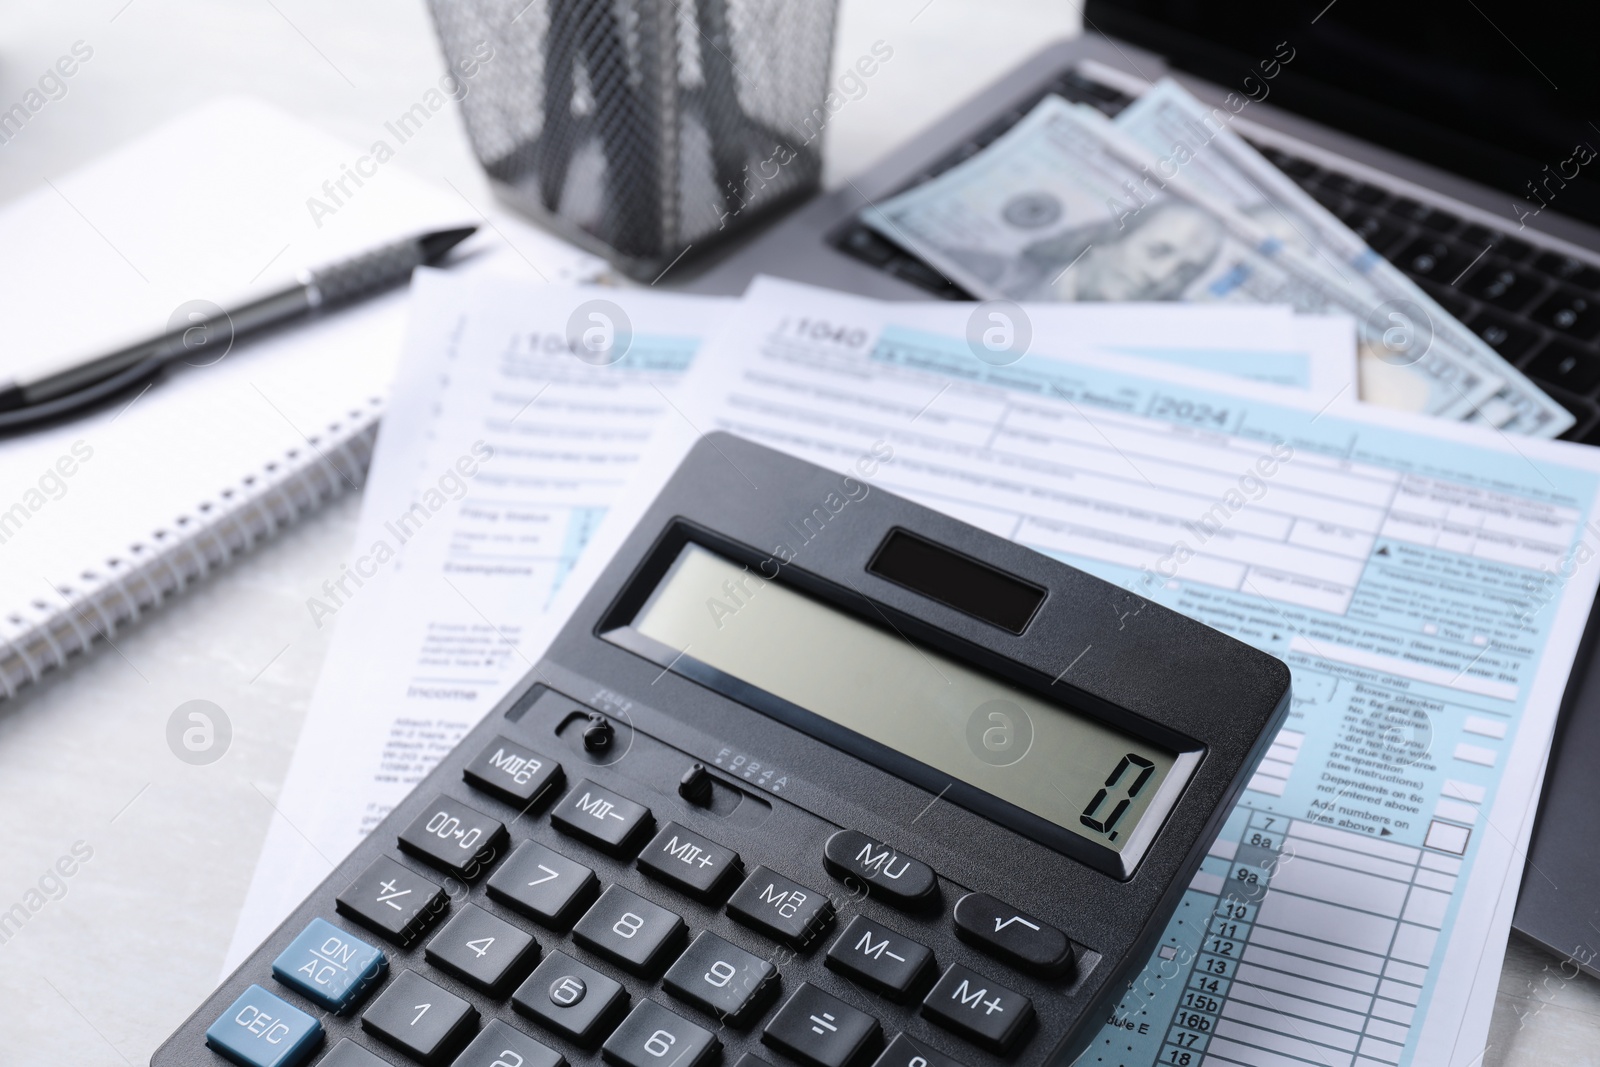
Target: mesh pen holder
(642, 129)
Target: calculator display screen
(1072, 770)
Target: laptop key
(1568, 270)
(1499, 282)
(1356, 189)
(1331, 199)
(1449, 299)
(1570, 313)
(1300, 170)
(866, 245)
(1421, 214)
(1380, 234)
(1504, 245)
(1509, 336)
(1434, 259)
(1566, 365)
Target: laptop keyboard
(1538, 309)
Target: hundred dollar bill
(1168, 121)
(1066, 207)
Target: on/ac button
(887, 874)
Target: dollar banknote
(1064, 206)
(1167, 120)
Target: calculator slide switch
(329, 966)
(455, 838)
(260, 1030)
(999, 930)
(888, 875)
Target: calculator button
(329, 966)
(501, 1045)
(513, 773)
(606, 820)
(781, 909)
(570, 998)
(349, 1054)
(544, 885)
(393, 900)
(260, 1030)
(819, 1029)
(455, 838)
(977, 1008)
(420, 1019)
(630, 931)
(482, 950)
(688, 862)
(652, 1035)
(722, 979)
(887, 874)
(879, 958)
(903, 1051)
(1001, 931)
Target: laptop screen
(1497, 90)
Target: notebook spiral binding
(254, 509)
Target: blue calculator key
(329, 966)
(349, 1054)
(261, 1030)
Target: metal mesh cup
(643, 128)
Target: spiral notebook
(104, 517)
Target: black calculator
(814, 777)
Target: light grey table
(102, 974)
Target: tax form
(451, 610)
(1426, 582)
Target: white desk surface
(101, 975)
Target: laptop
(1455, 137)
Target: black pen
(24, 402)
